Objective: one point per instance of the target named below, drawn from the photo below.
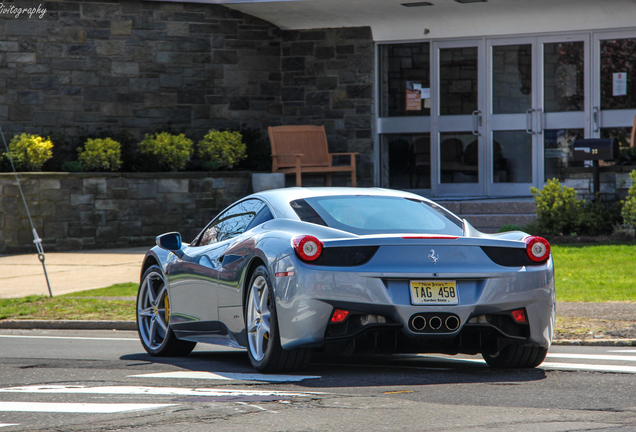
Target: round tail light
(537, 248)
(308, 248)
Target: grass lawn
(584, 273)
(595, 273)
(82, 305)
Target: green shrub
(598, 217)
(628, 211)
(72, 166)
(169, 152)
(221, 149)
(5, 165)
(557, 208)
(100, 155)
(560, 213)
(29, 152)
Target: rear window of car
(364, 215)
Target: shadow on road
(367, 371)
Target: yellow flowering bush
(29, 152)
(222, 149)
(100, 155)
(168, 152)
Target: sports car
(350, 271)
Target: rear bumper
(306, 301)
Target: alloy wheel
(258, 318)
(153, 310)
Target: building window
(406, 161)
(618, 66)
(558, 152)
(405, 87)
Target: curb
(595, 342)
(132, 325)
(67, 325)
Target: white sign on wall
(620, 84)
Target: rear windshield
(364, 215)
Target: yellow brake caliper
(166, 304)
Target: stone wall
(84, 211)
(139, 67)
(327, 79)
(614, 182)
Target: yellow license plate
(438, 292)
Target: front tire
(153, 316)
(516, 357)
(263, 339)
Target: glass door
(565, 103)
(538, 104)
(513, 127)
(457, 114)
(614, 84)
(404, 122)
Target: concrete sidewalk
(22, 275)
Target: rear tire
(153, 316)
(263, 339)
(516, 357)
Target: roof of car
(304, 192)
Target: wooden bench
(303, 149)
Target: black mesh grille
(510, 257)
(345, 256)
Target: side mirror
(171, 242)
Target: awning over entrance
(392, 20)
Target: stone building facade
(142, 67)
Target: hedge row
(162, 151)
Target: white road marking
(226, 376)
(592, 367)
(134, 390)
(566, 366)
(633, 351)
(9, 424)
(70, 338)
(100, 408)
(592, 356)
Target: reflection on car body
(347, 270)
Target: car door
(194, 279)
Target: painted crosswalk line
(593, 357)
(226, 376)
(85, 408)
(9, 424)
(156, 391)
(563, 366)
(588, 367)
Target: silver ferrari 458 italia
(350, 271)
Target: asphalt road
(104, 381)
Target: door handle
(476, 122)
(595, 119)
(529, 121)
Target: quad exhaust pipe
(452, 323)
(434, 323)
(418, 322)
